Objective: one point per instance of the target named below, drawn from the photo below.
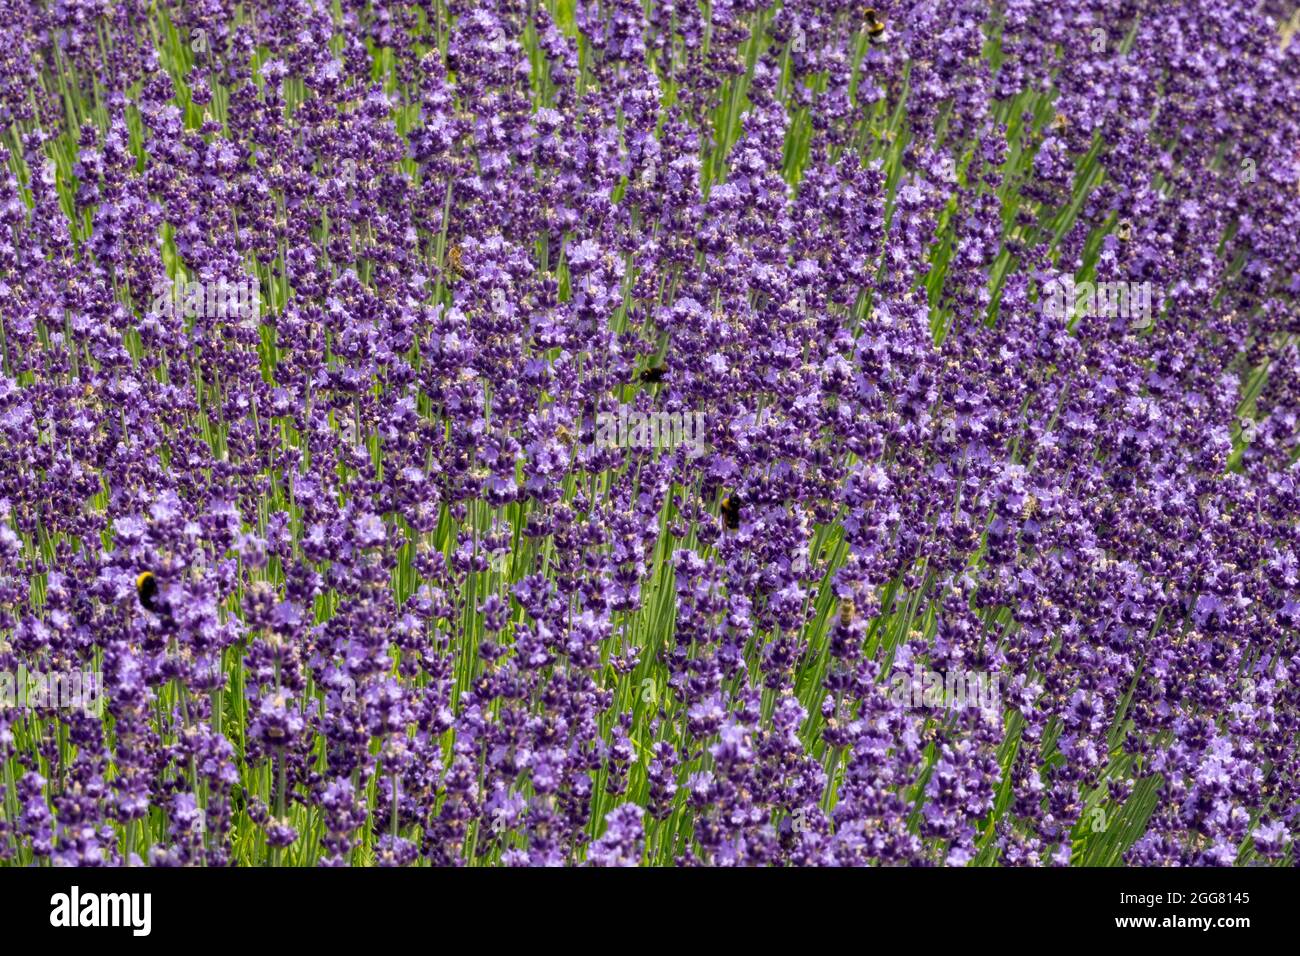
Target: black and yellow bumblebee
(150, 595)
(654, 373)
(875, 26)
(731, 511)
(1124, 232)
(146, 588)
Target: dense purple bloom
(467, 434)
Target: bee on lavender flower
(454, 261)
(875, 26)
(730, 510)
(654, 374)
(146, 589)
(149, 593)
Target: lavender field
(664, 433)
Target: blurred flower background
(635, 433)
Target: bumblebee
(1124, 232)
(875, 26)
(731, 511)
(654, 373)
(146, 589)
